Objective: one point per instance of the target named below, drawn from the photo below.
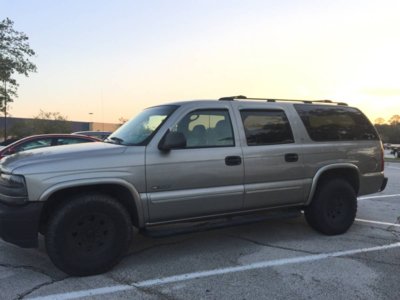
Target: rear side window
(328, 123)
(67, 141)
(266, 127)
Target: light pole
(91, 121)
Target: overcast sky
(114, 58)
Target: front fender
(97, 181)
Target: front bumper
(19, 225)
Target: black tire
(333, 208)
(88, 235)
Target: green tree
(390, 131)
(44, 122)
(379, 121)
(122, 121)
(22, 129)
(14, 59)
(394, 120)
(51, 122)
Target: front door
(205, 177)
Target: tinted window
(34, 144)
(67, 141)
(328, 123)
(206, 128)
(266, 127)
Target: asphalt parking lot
(273, 259)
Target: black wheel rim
(336, 209)
(91, 234)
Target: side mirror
(172, 140)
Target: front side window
(140, 129)
(327, 123)
(206, 128)
(35, 144)
(266, 127)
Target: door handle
(233, 160)
(291, 157)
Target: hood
(74, 156)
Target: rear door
(273, 160)
(204, 178)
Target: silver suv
(188, 161)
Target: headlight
(12, 188)
(12, 180)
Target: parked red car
(45, 140)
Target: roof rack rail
(241, 97)
(231, 98)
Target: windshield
(140, 129)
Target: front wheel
(88, 235)
(333, 208)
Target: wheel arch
(126, 195)
(348, 172)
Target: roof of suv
(242, 98)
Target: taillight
(382, 158)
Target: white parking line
(85, 293)
(208, 273)
(380, 196)
(390, 167)
(378, 222)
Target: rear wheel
(88, 235)
(333, 208)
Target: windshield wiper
(115, 139)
